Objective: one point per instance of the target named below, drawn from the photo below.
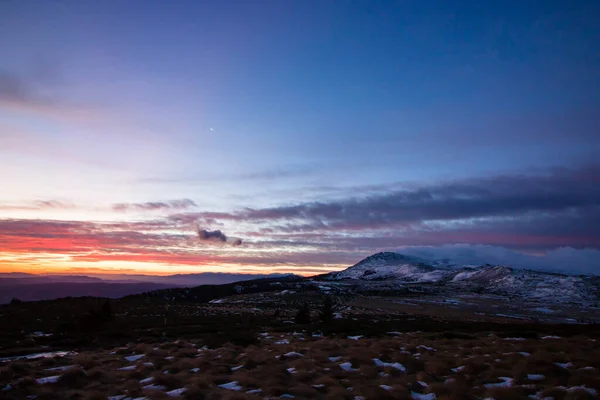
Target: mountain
(388, 265)
(206, 293)
(45, 279)
(188, 280)
(54, 290)
(31, 287)
(398, 270)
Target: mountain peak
(389, 256)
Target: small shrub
(303, 315)
(15, 301)
(326, 313)
(74, 378)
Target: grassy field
(253, 348)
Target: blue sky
(300, 105)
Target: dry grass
(451, 367)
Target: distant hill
(398, 270)
(31, 287)
(54, 290)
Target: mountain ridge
(401, 270)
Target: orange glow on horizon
(107, 267)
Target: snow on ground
(231, 386)
(176, 392)
(48, 379)
(40, 334)
(395, 365)
(347, 366)
(35, 356)
(134, 357)
(155, 387)
(564, 365)
(63, 368)
(293, 354)
(419, 396)
(535, 377)
(506, 382)
(591, 391)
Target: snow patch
(506, 382)
(48, 379)
(176, 392)
(134, 357)
(347, 366)
(395, 365)
(231, 386)
(535, 377)
(419, 396)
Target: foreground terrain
(389, 327)
(253, 346)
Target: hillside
(388, 269)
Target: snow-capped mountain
(406, 270)
(389, 265)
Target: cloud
(545, 209)
(500, 196)
(266, 175)
(23, 91)
(180, 204)
(39, 93)
(52, 204)
(541, 212)
(38, 205)
(563, 259)
(13, 88)
(217, 237)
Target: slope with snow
(399, 270)
(388, 265)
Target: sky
(297, 136)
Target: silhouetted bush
(240, 338)
(15, 301)
(303, 315)
(106, 313)
(326, 313)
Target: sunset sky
(311, 134)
